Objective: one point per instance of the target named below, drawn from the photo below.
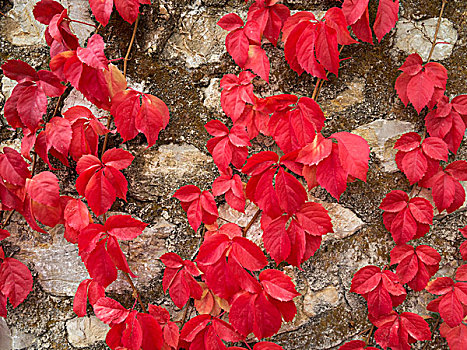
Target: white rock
(85, 331)
(416, 36)
(381, 135)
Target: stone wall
(179, 56)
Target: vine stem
(185, 313)
(56, 106)
(125, 60)
(10, 214)
(85, 23)
(320, 82)
(434, 329)
(252, 221)
(135, 291)
(248, 346)
(437, 30)
(369, 335)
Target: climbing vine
(238, 295)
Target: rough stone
(344, 221)
(22, 340)
(6, 342)
(143, 254)
(21, 29)
(172, 164)
(381, 135)
(199, 40)
(212, 96)
(315, 303)
(416, 36)
(76, 98)
(59, 267)
(85, 331)
(349, 97)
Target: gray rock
(22, 340)
(85, 331)
(6, 342)
(381, 135)
(416, 36)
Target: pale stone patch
(315, 302)
(381, 136)
(416, 37)
(86, 331)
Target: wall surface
(179, 56)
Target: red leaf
(230, 21)
(151, 332)
(435, 148)
(366, 280)
(354, 9)
(100, 265)
(278, 285)
(354, 154)
(248, 254)
(194, 326)
(58, 135)
(326, 48)
(80, 300)
(13, 168)
(15, 281)
(237, 46)
(414, 165)
(456, 336)
(43, 188)
(117, 158)
(335, 19)
(290, 192)
(395, 201)
(110, 311)
(19, 70)
(258, 62)
(152, 118)
(32, 105)
(386, 17)
(93, 55)
(100, 193)
(124, 227)
(132, 336)
(316, 151)
(276, 239)
(331, 175)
